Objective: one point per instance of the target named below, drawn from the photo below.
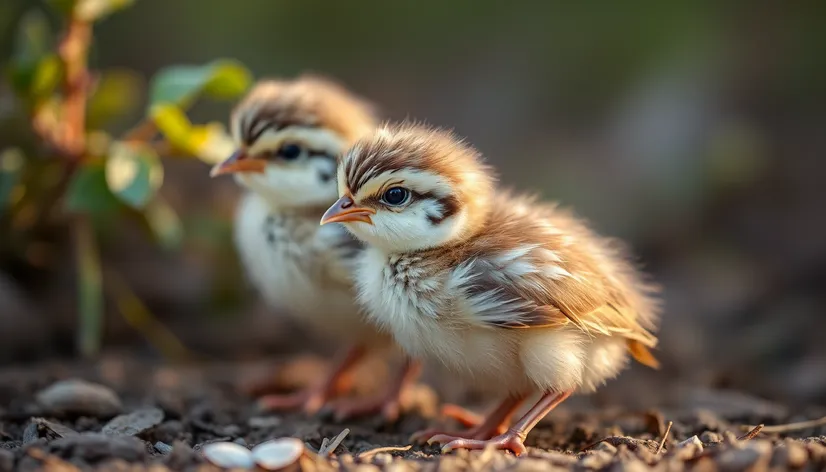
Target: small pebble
(369, 468)
(42, 428)
(607, 447)
(240, 442)
(163, 448)
(791, 454)
(710, 437)
(87, 446)
(531, 464)
(180, 456)
(693, 440)
(737, 459)
(278, 453)
(78, 397)
(632, 465)
(382, 458)
(134, 423)
(687, 452)
(399, 466)
(228, 455)
(596, 460)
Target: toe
(442, 439)
(420, 437)
(466, 417)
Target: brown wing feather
(591, 285)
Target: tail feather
(642, 354)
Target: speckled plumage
(298, 266)
(293, 133)
(516, 295)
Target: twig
(141, 319)
(372, 452)
(74, 51)
(665, 436)
(326, 451)
(751, 434)
(143, 132)
(784, 428)
(66, 132)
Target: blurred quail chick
(289, 136)
(517, 296)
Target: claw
(510, 441)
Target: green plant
(82, 176)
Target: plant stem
(142, 320)
(74, 51)
(144, 131)
(90, 290)
(66, 133)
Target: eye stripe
(257, 128)
(450, 206)
(252, 127)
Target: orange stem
(74, 50)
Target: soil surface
(121, 414)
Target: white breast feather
(437, 317)
(289, 273)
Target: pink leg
(467, 418)
(313, 398)
(513, 439)
(387, 403)
(495, 423)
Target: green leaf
(209, 142)
(116, 95)
(90, 289)
(47, 74)
(212, 143)
(93, 10)
(11, 165)
(35, 70)
(229, 80)
(180, 85)
(164, 223)
(89, 193)
(174, 125)
(133, 173)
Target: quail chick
(289, 135)
(516, 296)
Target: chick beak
(239, 161)
(345, 210)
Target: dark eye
(290, 151)
(395, 196)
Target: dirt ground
(131, 415)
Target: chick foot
(311, 399)
(471, 420)
(388, 404)
(514, 438)
(477, 426)
(511, 440)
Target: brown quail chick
(290, 134)
(516, 296)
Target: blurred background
(696, 132)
